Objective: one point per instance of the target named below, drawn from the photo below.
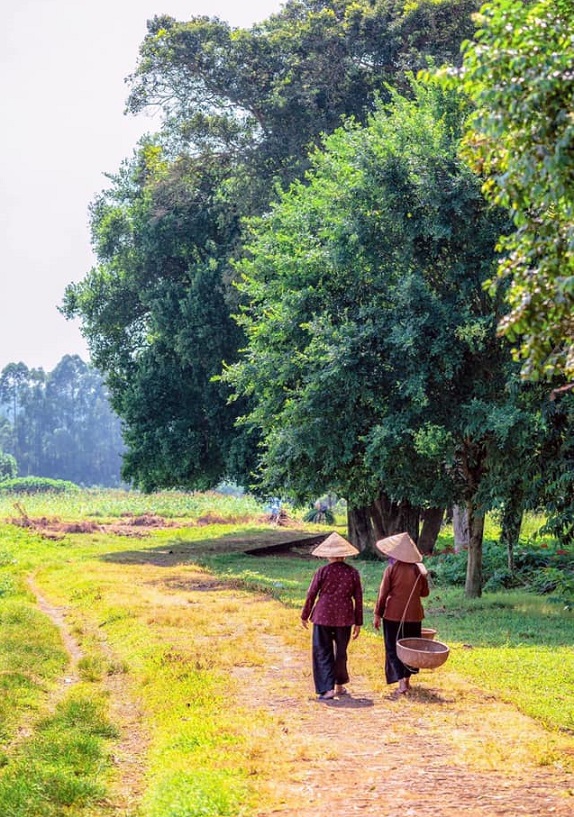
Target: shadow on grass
(424, 695)
(347, 702)
(181, 552)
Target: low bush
(37, 485)
(320, 516)
(542, 569)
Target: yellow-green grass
(53, 756)
(31, 652)
(105, 505)
(202, 756)
(518, 645)
(179, 657)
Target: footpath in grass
(223, 680)
(202, 702)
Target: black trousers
(330, 656)
(394, 667)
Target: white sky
(62, 70)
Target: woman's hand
(356, 630)
(377, 622)
(304, 623)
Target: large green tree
(268, 93)
(156, 314)
(519, 73)
(372, 355)
(240, 110)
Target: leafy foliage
(8, 466)
(366, 305)
(283, 83)
(540, 568)
(553, 481)
(519, 73)
(366, 302)
(37, 485)
(60, 424)
(241, 108)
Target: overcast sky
(62, 70)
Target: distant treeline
(59, 424)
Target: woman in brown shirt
(334, 604)
(399, 602)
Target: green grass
(516, 644)
(202, 758)
(101, 505)
(31, 653)
(60, 769)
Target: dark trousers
(394, 667)
(330, 656)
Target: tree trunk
(432, 520)
(460, 528)
(473, 585)
(360, 530)
(511, 524)
(377, 519)
(397, 517)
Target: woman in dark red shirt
(334, 604)
(399, 602)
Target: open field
(158, 671)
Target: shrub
(37, 485)
(448, 568)
(501, 579)
(321, 516)
(543, 569)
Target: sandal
(327, 696)
(341, 690)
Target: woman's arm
(384, 590)
(312, 593)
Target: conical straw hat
(335, 546)
(400, 547)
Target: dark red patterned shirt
(336, 589)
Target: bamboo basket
(422, 653)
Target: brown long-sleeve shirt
(395, 590)
(336, 587)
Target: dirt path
(385, 756)
(446, 749)
(129, 757)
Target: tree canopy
(59, 424)
(300, 158)
(241, 109)
(519, 73)
(372, 357)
